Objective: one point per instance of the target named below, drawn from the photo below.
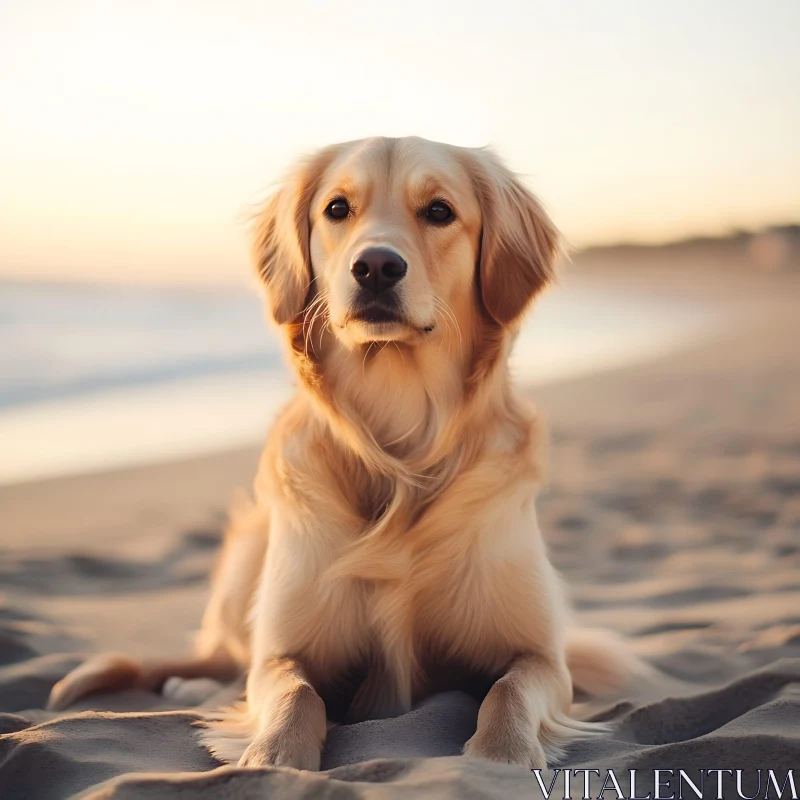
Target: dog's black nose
(378, 268)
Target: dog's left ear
(519, 242)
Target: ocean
(97, 377)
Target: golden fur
(392, 549)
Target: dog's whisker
(438, 316)
(325, 326)
(315, 308)
(449, 311)
(438, 313)
(321, 309)
(308, 324)
(364, 360)
(451, 315)
(383, 347)
(402, 357)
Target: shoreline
(730, 299)
(759, 299)
(578, 330)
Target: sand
(673, 510)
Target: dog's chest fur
(439, 622)
(448, 588)
(407, 643)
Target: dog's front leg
(290, 717)
(293, 631)
(524, 717)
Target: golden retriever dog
(392, 549)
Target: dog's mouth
(377, 308)
(381, 323)
(381, 317)
(377, 314)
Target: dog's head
(392, 239)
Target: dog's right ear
(281, 240)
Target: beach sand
(672, 509)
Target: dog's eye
(439, 212)
(337, 209)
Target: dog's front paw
(507, 747)
(192, 691)
(281, 749)
(107, 672)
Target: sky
(135, 136)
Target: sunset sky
(134, 135)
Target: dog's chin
(364, 331)
(377, 323)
